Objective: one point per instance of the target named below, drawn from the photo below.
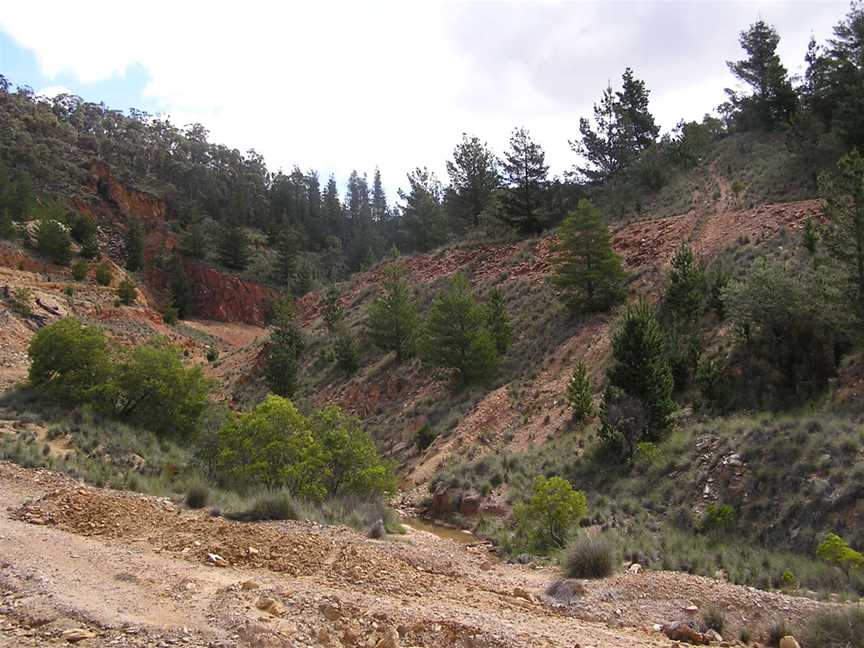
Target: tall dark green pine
(283, 353)
(687, 289)
(380, 212)
(641, 367)
(287, 250)
(181, 291)
(234, 247)
(638, 123)
(135, 246)
(423, 223)
(589, 275)
(195, 242)
(474, 178)
(392, 321)
(498, 321)
(525, 178)
(773, 99)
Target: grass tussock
(836, 629)
(589, 557)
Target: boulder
(74, 635)
(390, 639)
(271, 606)
(684, 631)
(469, 504)
(789, 642)
(635, 568)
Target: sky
(355, 85)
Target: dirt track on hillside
(134, 571)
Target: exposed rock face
(226, 298)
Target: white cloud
(52, 91)
(336, 86)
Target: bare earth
(134, 571)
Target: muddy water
(448, 533)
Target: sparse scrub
(713, 618)
(197, 496)
(271, 505)
(842, 628)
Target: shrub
(588, 557)
(347, 353)
(69, 361)
(833, 549)
(126, 292)
(553, 509)
(21, 302)
(744, 635)
(104, 274)
(579, 394)
(424, 437)
(80, 270)
(197, 496)
(836, 629)
(718, 518)
(713, 618)
(270, 505)
(53, 241)
(170, 316)
(498, 321)
(392, 322)
(377, 530)
(212, 354)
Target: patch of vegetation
(843, 628)
(589, 557)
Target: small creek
(448, 533)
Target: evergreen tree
(234, 247)
(392, 321)
(844, 206)
(474, 178)
(135, 246)
(332, 311)
(181, 291)
(284, 350)
(773, 100)
(287, 250)
(687, 289)
(346, 351)
(126, 292)
(623, 128)
(22, 199)
(423, 222)
(380, 212)
(641, 367)
(332, 208)
(195, 242)
(525, 178)
(589, 275)
(579, 395)
(7, 227)
(456, 336)
(498, 321)
(358, 210)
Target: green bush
(69, 361)
(283, 352)
(833, 549)
(545, 520)
(275, 446)
(842, 628)
(212, 354)
(126, 292)
(21, 303)
(170, 316)
(392, 321)
(80, 270)
(718, 518)
(424, 437)
(52, 240)
(713, 618)
(579, 394)
(347, 353)
(589, 557)
(104, 274)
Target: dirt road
(135, 571)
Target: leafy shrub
(545, 520)
(80, 270)
(843, 628)
(776, 631)
(833, 549)
(69, 361)
(197, 496)
(718, 518)
(170, 316)
(588, 557)
(212, 354)
(104, 274)
(126, 292)
(327, 453)
(346, 352)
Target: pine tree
(195, 242)
(525, 178)
(422, 221)
(380, 213)
(332, 312)
(456, 336)
(135, 246)
(687, 289)
(639, 125)
(7, 227)
(589, 273)
(234, 247)
(287, 251)
(641, 367)
(284, 350)
(181, 291)
(392, 321)
(22, 200)
(579, 395)
(773, 100)
(473, 180)
(844, 234)
(498, 322)
(332, 208)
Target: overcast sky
(337, 86)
